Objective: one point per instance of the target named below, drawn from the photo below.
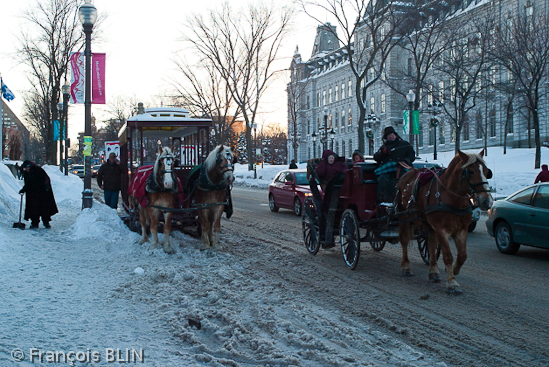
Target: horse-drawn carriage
(429, 206)
(162, 148)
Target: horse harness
(152, 184)
(205, 184)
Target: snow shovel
(19, 224)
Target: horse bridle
(228, 166)
(472, 186)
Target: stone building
(323, 111)
(15, 136)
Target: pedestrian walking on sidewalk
(109, 179)
(40, 200)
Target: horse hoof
(168, 250)
(407, 273)
(434, 277)
(454, 291)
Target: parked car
(95, 170)
(78, 169)
(289, 190)
(521, 219)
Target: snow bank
(9, 195)
(64, 187)
(100, 222)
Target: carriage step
(389, 234)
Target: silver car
(78, 169)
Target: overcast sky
(140, 39)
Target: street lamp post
(325, 133)
(66, 89)
(255, 153)
(60, 109)
(435, 110)
(314, 144)
(411, 98)
(88, 15)
(370, 134)
(332, 137)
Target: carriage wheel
(349, 237)
(377, 245)
(309, 225)
(423, 248)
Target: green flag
(415, 117)
(405, 121)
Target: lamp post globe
(87, 14)
(314, 144)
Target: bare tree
(52, 33)
(204, 91)
(523, 49)
(462, 66)
(36, 111)
(242, 46)
(370, 30)
(296, 90)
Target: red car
(289, 190)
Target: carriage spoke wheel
(377, 245)
(349, 237)
(309, 225)
(424, 248)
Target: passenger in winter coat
(109, 179)
(40, 200)
(330, 166)
(543, 176)
(393, 151)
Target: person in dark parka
(109, 179)
(393, 151)
(543, 176)
(40, 200)
(293, 165)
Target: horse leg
(154, 215)
(461, 245)
(143, 216)
(217, 227)
(205, 225)
(167, 230)
(452, 286)
(434, 273)
(404, 237)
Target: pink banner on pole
(78, 77)
(98, 79)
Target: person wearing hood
(109, 179)
(357, 156)
(331, 169)
(389, 156)
(543, 176)
(40, 199)
(293, 165)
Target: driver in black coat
(393, 151)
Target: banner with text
(98, 79)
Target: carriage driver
(393, 156)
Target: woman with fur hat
(40, 200)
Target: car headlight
(308, 194)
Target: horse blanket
(139, 183)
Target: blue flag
(6, 92)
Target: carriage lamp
(88, 15)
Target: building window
(343, 147)
(441, 92)
(350, 117)
(492, 123)
(336, 95)
(336, 120)
(324, 98)
(342, 119)
(330, 121)
(383, 103)
(350, 91)
(372, 105)
(479, 126)
(343, 91)
(453, 135)
(453, 89)
(318, 99)
(330, 95)
(465, 129)
(308, 100)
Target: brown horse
(161, 192)
(216, 176)
(444, 209)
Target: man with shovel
(40, 200)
